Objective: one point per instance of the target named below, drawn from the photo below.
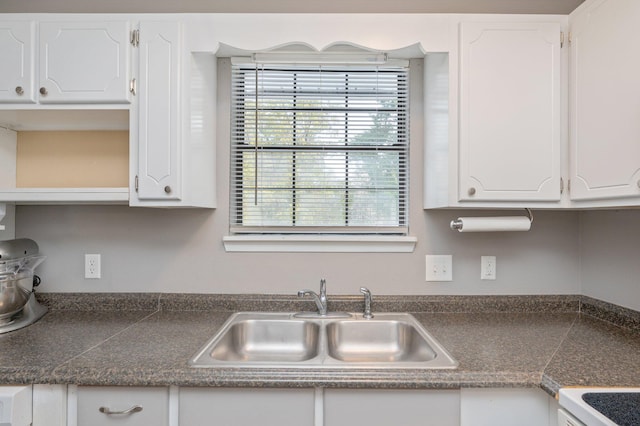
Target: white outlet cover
(92, 266)
(488, 267)
(439, 267)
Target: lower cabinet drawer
(126, 406)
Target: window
(319, 149)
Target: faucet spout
(367, 303)
(319, 299)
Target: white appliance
(599, 407)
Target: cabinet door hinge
(133, 86)
(568, 186)
(561, 39)
(569, 37)
(561, 186)
(136, 183)
(135, 38)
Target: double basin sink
(335, 340)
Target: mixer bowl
(14, 293)
(16, 284)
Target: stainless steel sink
(377, 340)
(283, 340)
(268, 340)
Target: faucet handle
(323, 286)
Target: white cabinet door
(104, 406)
(510, 112)
(391, 407)
(605, 100)
(16, 405)
(50, 405)
(16, 67)
(504, 407)
(84, 62)
(246, 407)
(159, 174)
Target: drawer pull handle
(108, 412)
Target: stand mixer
(18, 305)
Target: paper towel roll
(491, 224)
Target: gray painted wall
(610, 266)
(290, 6)
(8, 223)
(181, 251)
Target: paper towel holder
(456, 225)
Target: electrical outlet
(488, 267)
(92, 266)
(439, 268)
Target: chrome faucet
(321, 299)
(367, 303)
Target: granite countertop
(503, 341)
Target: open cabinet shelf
(65, 196)
(64, 156)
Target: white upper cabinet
(16, 67)
(604, 102)
(105, 95)
(84, 62)
(173, 132)
(159, 171)
(510, 110)
(77, 62)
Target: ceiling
(562, 7)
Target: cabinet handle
(43, 91)
(167, 189)
(471, 191)
(20, 90)
(108, 412)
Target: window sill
(319, 243)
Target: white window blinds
(319, 149)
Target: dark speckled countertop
(501, 341)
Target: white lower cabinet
(15, 405)
(391, 407)
(50, 405)
(61, 405)
(505, 407)
(103, 406)
(246, 407)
